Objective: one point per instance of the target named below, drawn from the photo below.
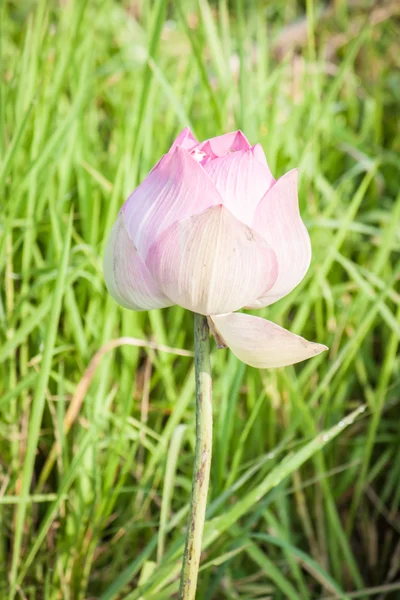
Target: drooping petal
(277, 218)
(212, 263)
(222, 144)
(176, 188)
(127, 278)
(242, 180)
(262, 344)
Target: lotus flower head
(211, 230)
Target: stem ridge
(202, 459)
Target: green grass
(97, 438)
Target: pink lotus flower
(210, 229)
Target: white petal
(127, 278)
(176, 188)
(212, 263)
(228, 142)
(242, 181)
(262, 344)
(277, 219)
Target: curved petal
(127, 278)
(242, 181)
(185, 139)
(259, 154)
(262, 344)
(222, 144)
(203, 153)
(212, 263)
(176, 188)
(277, 218)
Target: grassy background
(96, 435)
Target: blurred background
(97, 433)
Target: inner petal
(222, 144)
(242, 181)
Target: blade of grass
(38, 406)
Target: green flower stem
(202, 459)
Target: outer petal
(259, 154)
(277, 219)
(242, 180)
(262, 344)
(127, 278)
(176, 188)
(222, 144)
(212, 263)
(185, 139)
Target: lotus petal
(185, 139)
(127, 278)
(176, 188)
(259, 154)
(277, 218)
(262, 344)
(242, 181)
(222, 144)
(212, 263)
